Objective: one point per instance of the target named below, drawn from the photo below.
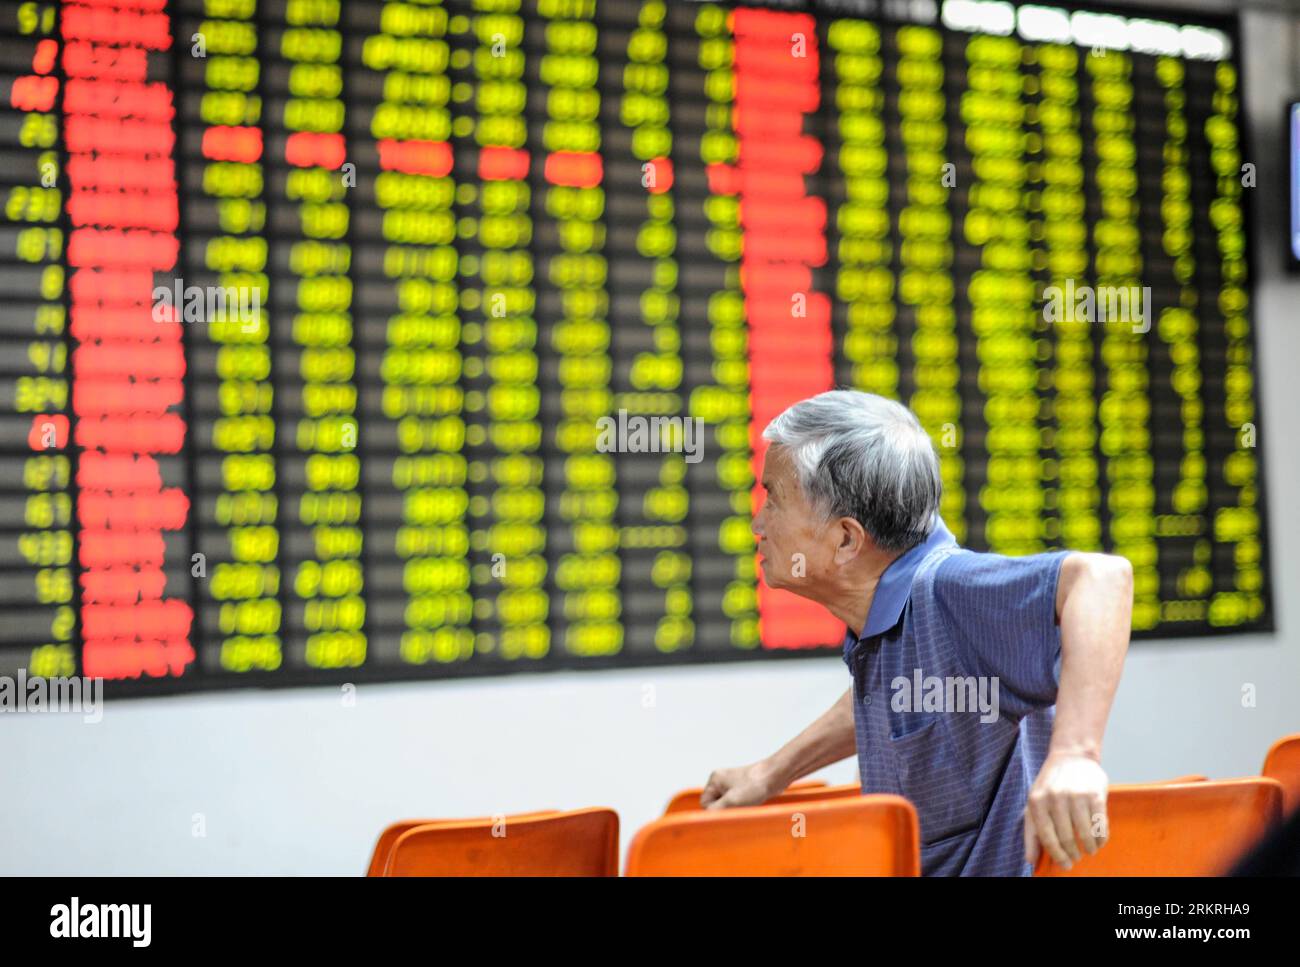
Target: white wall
(292, 782)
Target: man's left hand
(1067, 805)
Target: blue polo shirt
(954, 686)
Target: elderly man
(851, 522)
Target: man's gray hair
(863, 456)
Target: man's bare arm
(1094, 605)
(829, 739)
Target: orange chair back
(689, 799)
(581, 842)
(876, 835)
(1283, 764)
(388, 838)
(1179, 829)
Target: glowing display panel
(319, 319)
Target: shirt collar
(895, 585)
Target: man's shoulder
(959, 571)
(957, 559)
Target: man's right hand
(828, 740)
(750, 785)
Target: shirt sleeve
(1002, 612)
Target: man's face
(796, 547)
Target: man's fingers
(712, 790)
(1060, 810)
(1083, 821)
(1031, 840)
(1046, 831)
(1100, 818)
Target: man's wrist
(1084, 748)
(776, 774)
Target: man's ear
(852, 540)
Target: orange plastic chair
(689, 799)
(877, 835)
(579, 842)
(384, 846)
(1179, 829)
(1283, 764)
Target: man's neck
(853, 603)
